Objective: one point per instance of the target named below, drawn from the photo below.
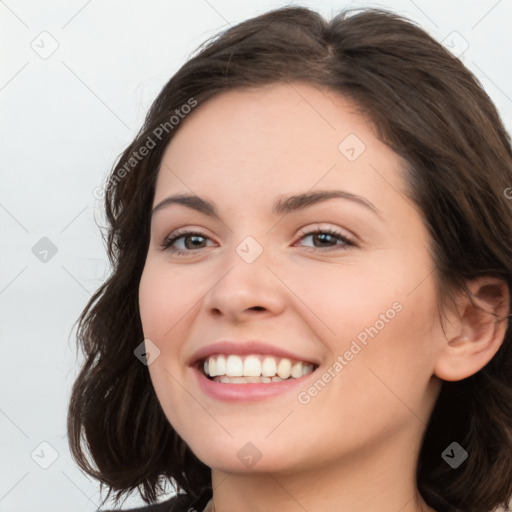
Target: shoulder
(178, 503)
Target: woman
(308, 310)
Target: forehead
(282, 137)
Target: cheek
(397, 334)
(166, 305)
(164, 298)
(163, 305)
(151, 295)
(375, 316)
(347, 301)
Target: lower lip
(246, 392)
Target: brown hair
(431, 111)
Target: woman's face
(356, 300)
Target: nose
(246, 290)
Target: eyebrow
(282, 206)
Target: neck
(380, 480)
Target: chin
(243, 456)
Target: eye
(195, 238)
(329, 239)
(328, 236)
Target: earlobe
(481, 328)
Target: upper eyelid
(301, 232)
(319, 227)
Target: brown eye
(329, 237)
(190, 241)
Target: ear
(477, 333)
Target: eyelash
(347, 242)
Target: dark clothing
(178, 503)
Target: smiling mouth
(253, 369)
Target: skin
(354, 446)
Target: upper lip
(245, 348)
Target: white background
(65, 119)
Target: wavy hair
(425, 105)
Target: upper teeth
(255, 366)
